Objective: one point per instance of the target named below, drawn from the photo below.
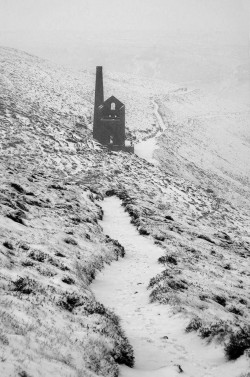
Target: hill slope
(52, 176)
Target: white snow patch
(145, 149)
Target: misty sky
(226, 15)
(82, 33)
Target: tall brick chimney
(99, 98)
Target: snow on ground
(47, 149)
(206, 138)
(146, 148)
(162, 348)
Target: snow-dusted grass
(50, 323)
(51, 243)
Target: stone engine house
(109, 118)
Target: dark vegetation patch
(165, 284)
(218, 329)
(178, 285)
(203, 297)
(194, 325)
(70, 241)
(8, 245)
(220, 300)
(159, 238)
(27, 263)
(18, 188)
(118, 248)
(24, 246)
(235, 310)
(59, 254)
(56, 263)
(122, 352)
(168, 259)
(41, 257)
(168, 217)
(238, 343)
(71, 301)
(143, 232)
(18, 216)
(25, 285)
(38, 256)
(68, 280)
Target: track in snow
(157, 336)
(145, 149)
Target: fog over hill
(188, 195)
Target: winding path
(157, 336)
(145, 149)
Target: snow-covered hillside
(207, 137)
(53, 177)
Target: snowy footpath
(145, 149)
(161, 346)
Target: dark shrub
(168, 217)
(58, 254)
(24, 246)
(8, 245)
(68, 280)
(143, 232)
(70, 241)
(158, 278)
(158, 293)
(220, 299)
(243, 301)
(194, 325)
(178, 285)
(159, 238)
(58, 264)
(119, 249)
(38, 255)
(71, 301)
(218, 329)
(167, 259)
(110, 193)
(123, 352)
(27, 263)
(17, 216)
(93, 307)
(203, 297)
(18, 188)
(238, 343)
(25, 285)
(235, 310)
